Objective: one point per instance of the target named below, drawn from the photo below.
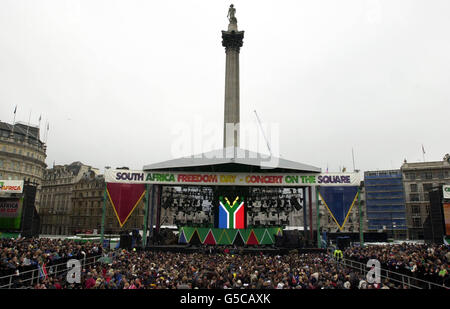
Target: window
(427, 187)
(414, 197)
(417, 222)
(413, 187)
(412, 176)
(428, 175)
(415, 209)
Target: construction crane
(265, 138)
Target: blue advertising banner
(339, 202)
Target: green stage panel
(232, 233)
(267, 239)
(259, 233)
(223, 239)
(202, 233)
(245, 233)
(256, 236)
(9, 235)
(188, 232)
(216, 233)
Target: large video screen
(447, 218)
(10, 213)
(231, 213)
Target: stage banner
(231, 215)
(447, 218)
(339, 201)
(11, 186)
(214, 236)
(232, 179)
(446, 191)
(124, 199)
(10, 213)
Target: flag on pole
(14, 120)
(43, 272)
(423, 149)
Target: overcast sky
(114, 78)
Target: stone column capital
(232, 40)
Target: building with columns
(418, 179)
(22, 154)
(56, 196)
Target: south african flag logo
(231, 215)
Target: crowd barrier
(394, 277)
(29, 275)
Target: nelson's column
(232, 41)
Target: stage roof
(232, 159)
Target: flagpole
(28, 127)
(361, 227)
(305, 218)
(103, 216)
(46, 134)
(353, 158)
(423, 153)
(14, 121)
(152, 212)
(147, 201)
(319, 240)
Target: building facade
(418, 179)
(56, 197)
(22, 155)
(87, 201)
(385, 203)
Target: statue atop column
(231, 15)
(232, 39)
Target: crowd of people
(219, 269)
(19, 257)
(425, 262)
